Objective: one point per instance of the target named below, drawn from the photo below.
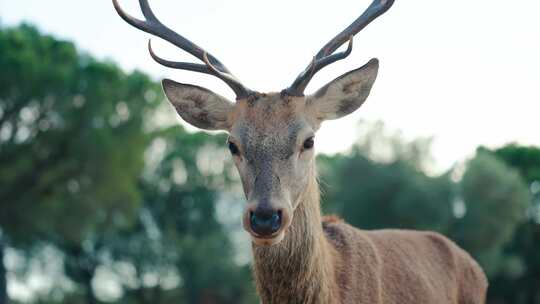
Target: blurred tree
(495, 200)
(179, 225)
(519, 284)
(3, 273)
(382, 183)
(74, 143)
(71, 146)
(387, 189)
(525, 159)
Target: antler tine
(229, 78)
(376, 9)
(316, 65)
(326, 55)
(147, 11)
(194, 67)
(153, 26)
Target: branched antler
(326, 55)
(212, 65)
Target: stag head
(271, 135)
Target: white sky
(466, 72)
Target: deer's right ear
(198, 106)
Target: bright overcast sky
(466, 72)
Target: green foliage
(79, 173)
(63, 117)
(382, 183)
(496, 200)
(524, 159)
(392, 193)
(519, 284)
(180, 199)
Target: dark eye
(308, 144)
(233, 148)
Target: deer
(299, 255)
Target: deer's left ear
(344, 94)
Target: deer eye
(308, 143)
(233, 148)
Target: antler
(212, 65)
(326, 55)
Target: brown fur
(329, 261)
(311, 259)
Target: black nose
(265, 222)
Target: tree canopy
(484, 205)
(521, 278)
(75, 134)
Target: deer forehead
(261, 107)
(271, 125)
(268, 117)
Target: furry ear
(344, 94)
(198, 106)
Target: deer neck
(299, 268)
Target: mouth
(270, 240)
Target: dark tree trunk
(157, 294)
(3, 274)
(90, 296)
(80, 266)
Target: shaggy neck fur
(299, 268)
